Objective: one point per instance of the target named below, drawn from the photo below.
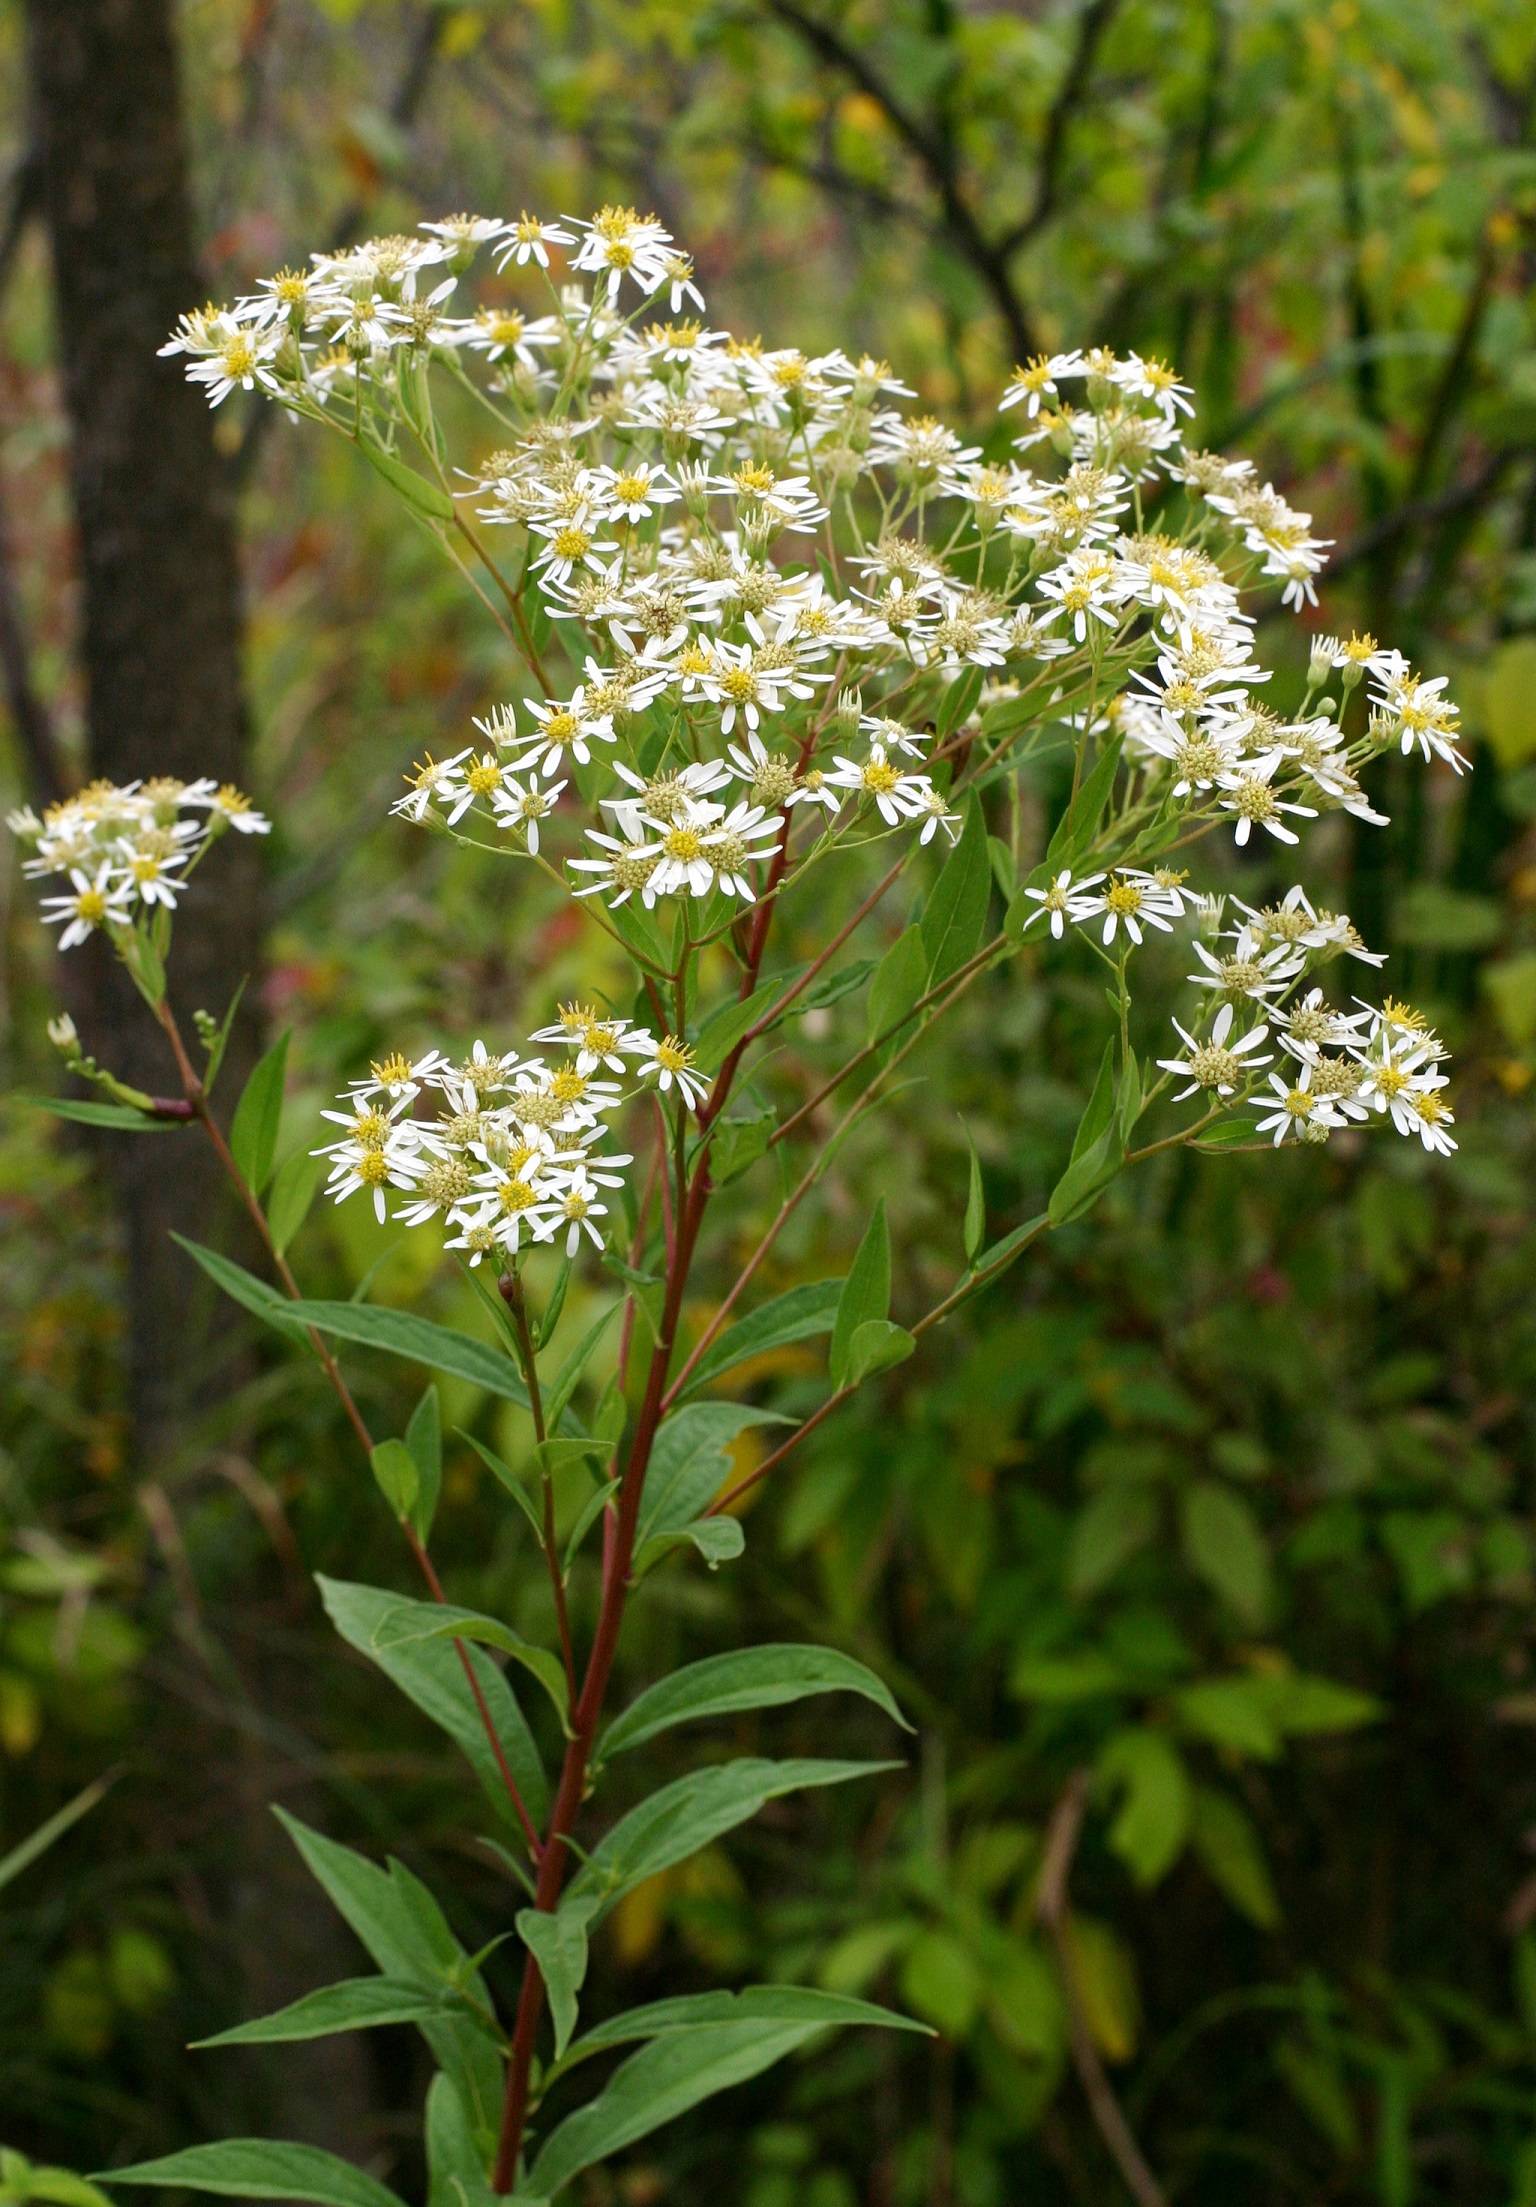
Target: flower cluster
(763, 545)
(510, 1151)
(126, 850)
(1345, 1065)
(768, 609)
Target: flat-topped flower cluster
(768, 611)
(511, 1151)
(127, 848)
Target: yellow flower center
(685, 844)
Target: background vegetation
(1256, 1422)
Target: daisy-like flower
(596, 1038)
(1037, 380)
(398, 1076)
(628, 869)
(1296, 1112)
(1249, 969)
(94, 900)
(1062, 900)
(682, 850)
(745, 834)
(935, 815)
(153, 878)
(521, 805)
(1087, 588)
(619, 243)
(568, 544)
(897, 795)
(1132, 899)
(528, 239)
(462, 786)
(1246, 792)
(671, 1062)
(632, 493)
(570, 726)
(1218, 1063)
(579, 1210)
(241, 359)
(385, 1154)
(893, 735)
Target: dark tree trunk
(160, 597)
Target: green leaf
(358, 2004)
(220, 1042)
(1097, 1149)
(974, 1230)
(694, 1811)
(87, 1113)
(797, 1315)
(899, 980)
(408, 1622)
(717, 1539)
(727, 1023)
(1225, 1545)
(406, 1936)
(508, 1478)
(1231, 1712)
(1117, 1522)
(558, 1943)
(293, 1191)
(424, 1441)
(958, 701)
(261, 2168)
(1079, 824)
(456, 2166)
(1153, 1821)
(431, 1674)
(1224, 1838)
(1305, 1705)
(419, 1340)
(394, 1467)
(417, 491)
(690, 2062)
(689, 1462)
(706, 2011)
(747, 1678)
(26, 1851)
(253, 1130)
(245, 1289)
(569, 1375)
(955, 914)
(943, 1981)
(866, 1292)
(22, 2180)
(875, 1347)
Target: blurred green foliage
(1203, 1552)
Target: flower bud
(65, 1037)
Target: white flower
(572, 725)
(1295, 1111)
(1036, 380)
(1064, 899)
(671, 1061)
(95, 900)
(1130, 899)
(897, 796)
(629, 869)
(529, 239)
(1249, 970)
(1246, 792)
(596, 1038)
(1218, 1063)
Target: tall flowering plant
(784, 658)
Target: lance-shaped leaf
(671, 2074)
(244, 1288)
(419, 1340)
(456, 2164)
(253, 1130)
(689, 1462)
(705, 2011)
(424, 1439)
(557, 1940)
(408, 1938)
(799, 1314)
(407, 1623)
(694, 1811)
(955, 914)
(89, 1113)
(747, 1678)
(866, 1292)
(357, 2004)
(430, 1673)
(261, 2168)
